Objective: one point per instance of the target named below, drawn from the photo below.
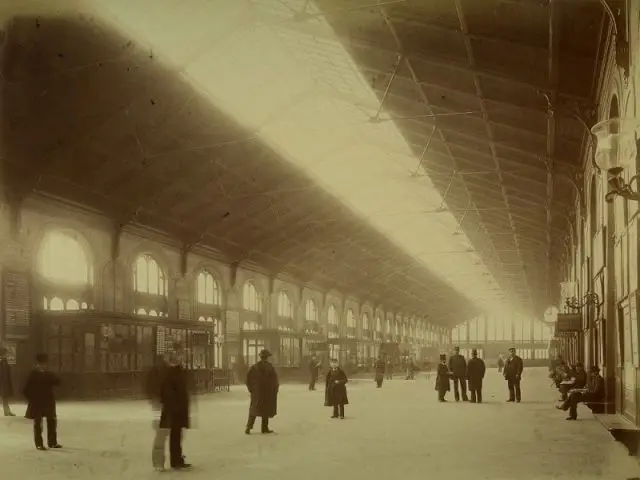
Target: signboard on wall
(569, 322)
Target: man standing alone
(475, 373)
(379, 369)
(314, 368)
(6, 385)
(512, 374)
(174, 399)
(263, 385)
(458, 368)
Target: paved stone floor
(399, 431)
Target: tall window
(251, 298)
(473, 330)
(148, 277)
(387, 329)
(208, 289)
(311, 311)
(351, 324)
(482, 328)
(455, 334)
(285, 309)
(365, 321)
(333, 322)
(379, 324)
(64, 264)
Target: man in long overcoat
(6, 385)
(39, 392)
(173, 384)
(335, 390)
(443, 384)
(458, 368)
(475, 374)
(263, 385)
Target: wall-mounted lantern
(616, 150)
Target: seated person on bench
(592, 394)
(575, 378)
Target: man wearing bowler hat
(262, 383)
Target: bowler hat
(264, 353)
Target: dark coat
(38, 391)
(513, 368)
(6, 385)
(314, 368)
(458, 365)
(379, 367)
(336, 393)
(443, 378)
(263, 385)
(173, 382)
(476, 369)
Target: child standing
(42, 402)
(335, 393)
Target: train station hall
(422, 213)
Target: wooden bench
(622, 430)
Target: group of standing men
(461, 372)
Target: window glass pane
(62, 259)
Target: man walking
(169, 383)
(512, 374)
(6, 385)
(475, 373)
(458, 368)
(379, 371)
(314, 369)
(263, 385)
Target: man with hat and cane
(262, 383)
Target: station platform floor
(399, 431)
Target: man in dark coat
(263, 385)
(314, 370)
(173, 392)
(458, 368)
(38, 391)
(443, 376)
(335, 390)
(6, 385)
(379, 368)
(513, 373)
(475, 373)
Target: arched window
(56, 305)
(351, 319)
(64, 265)
(251, 298)
(333, 322)
(351, 324)
(379, 324)
(387, 329)
(208, 289)
(311, 311)
(285, 309)
(148, 277)
(365, 321)
(62, 260)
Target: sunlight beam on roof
(242, 55)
